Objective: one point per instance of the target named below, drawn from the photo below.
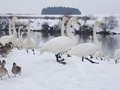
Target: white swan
(11, 37)
(117, 55)
(29, 42)
(60, 44)
(19, 40)
(99, 53)
(86, 49)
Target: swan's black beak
(31, 21)
(78, 23)
(24, 26)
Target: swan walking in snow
(29, 42)
(60, 44)
(86, 49)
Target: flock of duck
(64, 44)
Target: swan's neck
(10, 32)
(62, 28)
(94, 35)
(21, 38)
(19, 33)
(14, 30)
(71, 35)
(100, 47)
(28, 32)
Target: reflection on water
(109, 42)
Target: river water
(109, 42)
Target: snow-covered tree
(109, 23)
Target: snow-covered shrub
(4, 23)
(57, 26)
(45, 26)
(109, 23)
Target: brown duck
(3, 71)
(16, 69)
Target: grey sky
(85, 6)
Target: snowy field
(42, 72)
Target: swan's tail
(40, 47)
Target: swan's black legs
(91, 56)
(27, 50)
(19, 48)
(59, 55)
(101, 59)
(116, 61)
(68, 55)
(60, 61)
(0, 62)
(82, 59)
(91, 61)
(33, 51)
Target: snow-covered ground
(42, 72)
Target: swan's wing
(83, 49)
(58, 44)
(5, 39)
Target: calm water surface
(109, 42)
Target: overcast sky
(85, 6)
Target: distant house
(60, 11)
